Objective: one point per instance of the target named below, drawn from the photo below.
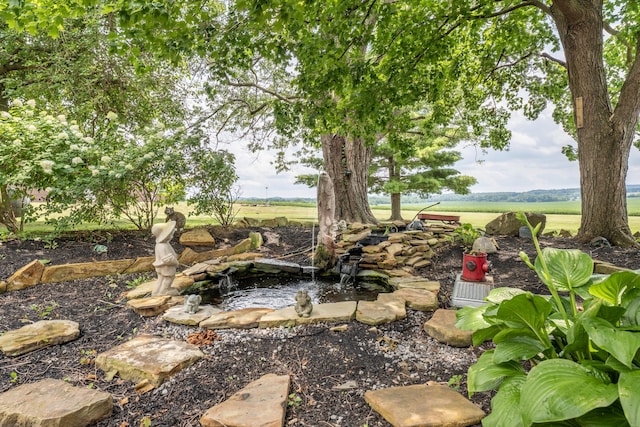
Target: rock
(178, 315)
(242, 246)
(67, 272)
(485, 245)
(244, 318)
(355, 237)
(330, 312)
(442, 327)
(565, 233)
(508, 225)
(424, 405)
(38, 335)
(27, 276)
(53, 403)
(256, 240)
(414, 282)
(275, 266)
(150, 358)
(260, 403)
(197, 237)
(387, 308)
(189, 256)
(418, 299)
(140, 265)
(151, 306)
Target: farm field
(560, 215)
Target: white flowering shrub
(39, 152)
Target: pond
(278, 291)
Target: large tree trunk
(605, 135)
(347, 163)
(396, 208)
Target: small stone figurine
(192, 304)
(166, 261)
(178, 217)
(303, 304)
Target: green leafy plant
(14, 377)
(455, 381)
(44, 311)
(555, 361)
(294, 401)
(466, 234)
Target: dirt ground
(330, 371)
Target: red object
(438, 217)
(474, 267)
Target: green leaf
(567, 268)
(525, 310)
(611, 416)
(516, 344)
(471, 318)
(505, 405)
(485, 374)
(613, 287)
(623, 345)
(630, 396)
(497, 295)
(559, 389)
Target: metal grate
(470, 293)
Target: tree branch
(509, 9)
(628, 106)
(551, 58)
(288, 99)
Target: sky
(533, 162)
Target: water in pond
(279, 292)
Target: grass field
(560, 215)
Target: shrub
(557, 361)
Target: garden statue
(192, 304)
(166, 261)
(178, 217)
(303, 304)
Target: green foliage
(212, 185)
(583, 359)
(44, 311)
(466, 234)
(294, 401)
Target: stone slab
(140, 265)
(26, 276)
(260, 403)
(385, 310)
(151, 306)
(244, 318)
(424, 405)
(83, 270)
(414, 282)
(442, 327)
(332, 312)
(197, 237)
(53, 403)
(35, 336)
(177, 314)
(148, 357)
(418, 299)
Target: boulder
(508, 225)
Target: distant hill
(533, 196)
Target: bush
(555, 360)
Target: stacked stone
(402, 251)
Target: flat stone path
(53, 403)
(35, 336)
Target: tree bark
(347, 163)
(396, 206)
(324, 256)
(605, 135)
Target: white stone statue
(166, 261)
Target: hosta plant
(570, 358)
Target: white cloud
(534, 161)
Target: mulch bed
(317, 358)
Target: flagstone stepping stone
(177, 314)
(442, 327)
(151, 306)
(244, 318)
(418, 299)
(197, 237)
(35, 336)
(331, 312)
(261, 403)
(424, 405)
(148, 357)
(387, 308)
(27, 276)
(53, 403)
(83, 270)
